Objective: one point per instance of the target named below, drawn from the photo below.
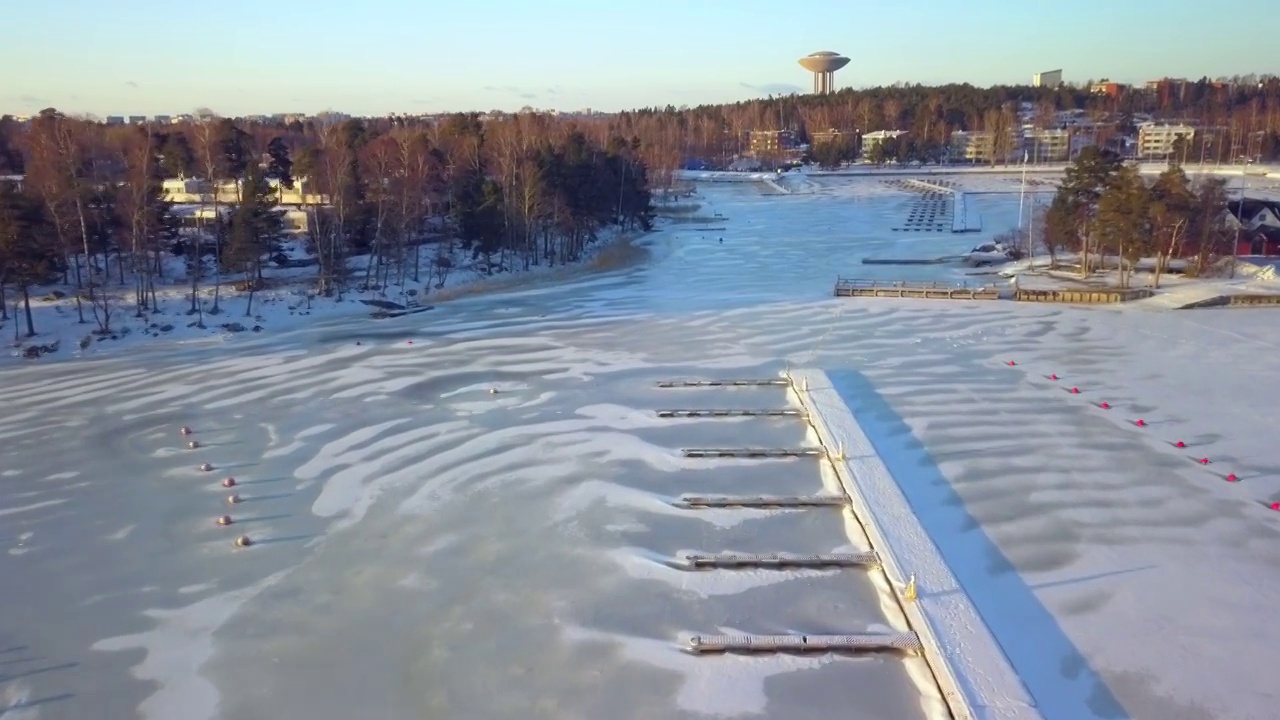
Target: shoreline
(281, 309)
(968, 665)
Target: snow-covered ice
(441, 551)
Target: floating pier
(854, 287)
(767, 382)
(729, 413)
(762, 501)
(783, 560)
(861, 642)
(752, 452)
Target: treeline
(1246, 112)
(1105, 208)
(91, 210)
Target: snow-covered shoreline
(289, 305)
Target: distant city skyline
(386, 56)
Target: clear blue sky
(377, 56)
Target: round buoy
(1141, 423)
(1105, 406)
(1203, 461)
(1075, 391)
(1011, 363)
(243, 541)
(410, 342)
(229, 482)
(185, 431)
(1180, 444)
(233, 499)
(193, 445)
(1053, 377)
(1232, 478)
(225, 520)
(206, 467)
(1275, 506)
(493, 391)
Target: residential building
(115, 119)
(1105, 87)
(1046, 145)
(162, 120)
(830, 135)
(1156, 140)
(872, 139)
(137, 119)
(771, 141)
(979, 146)
(1049, 79)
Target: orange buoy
(206, 467)
(233, 499)
(229, 482)
(243, 541)
(225, 520)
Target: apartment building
(1046, 145)
(979, 146)
(771, 141)
(1049, 79)
(1156, 140)
(872, 139)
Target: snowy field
(427, 548)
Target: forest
(91, 211)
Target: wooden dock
(752, 452)
(899, 641)
(781, 561)
(854, 287)
(724, 413)
(761, 501)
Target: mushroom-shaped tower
(823, 65)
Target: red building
(1263, 240)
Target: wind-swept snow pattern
(423, 547)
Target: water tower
(823, 65)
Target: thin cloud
(132, 84)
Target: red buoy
(1180, 444)
(229, 482)
(1141, 423)
(410, 342)
(1075, 391)
(1203, 461)
(1011, 363)
(225, 520)
(1105, 406)
(1232, 478)
(1053, 377)
(1275, 506)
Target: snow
(972, 664)
(447, 552)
